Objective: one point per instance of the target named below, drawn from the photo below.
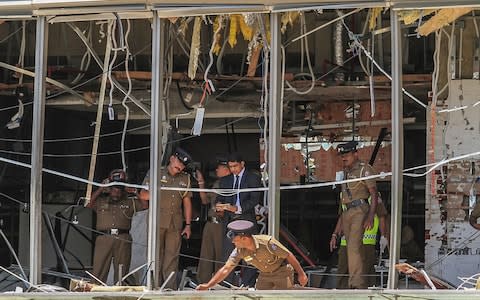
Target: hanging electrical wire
(129, 90)
(216, 35)
(305, 47)
(86, 58)
(81, 138)
(21, 56)
(78, 154)
(357, 45)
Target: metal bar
(408, 5)
(327, 5)
(326, 24)
(83, 10)
(381, 137)
(158, 30)
(47, 79)
(274, 127)
(166, 10)
(41, 49)
(15, 256)
(387, 29)
(100, 17)
(453, 55)
(98, 121)
(476, 60)
(56, 246)
(397, 149)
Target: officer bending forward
(275, 262)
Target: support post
(274, 127)
(98, 120)
(38, 124)
(158, 31)
(397, 149)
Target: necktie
(236, 186)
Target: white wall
(447, 193)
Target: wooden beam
(252, 67)
(349, 124)
(405, 78)
(146, 75)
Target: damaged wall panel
(451, 248)
(324, 160)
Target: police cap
(183, 156)
(347, 147)
(240, 227)
(117, 175)
(222, 161)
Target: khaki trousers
(211, 250)
(342, 271)
(370, 260)
(169, 246)
(108, 247)
(352, 223)
(281, 279)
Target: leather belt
(355, 203)
(284, 265)
(115, 231)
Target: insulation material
(410, 16)
(374, 13)
(194, 48)
(182, 28)
(447, 209)
(443, 17)
(218, 38)
(288, 18)
(232, 35)
(247, 31)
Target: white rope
(231, 192)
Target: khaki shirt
(269, 255)
(171, 215)
(115, 214)
(358, 189)
(212, 200)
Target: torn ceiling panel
(442, 18)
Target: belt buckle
(114, 231)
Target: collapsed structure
(265, 70)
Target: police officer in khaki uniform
(170, 222)
(114, 218)
(369, 246)
(275, 263)
(211, 252)
(358, 214)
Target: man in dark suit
(241, 205)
